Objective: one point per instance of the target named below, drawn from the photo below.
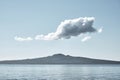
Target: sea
(59, 72)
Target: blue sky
(33, 17)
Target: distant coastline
(60, 59)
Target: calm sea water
(59, 72)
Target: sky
(38, 28)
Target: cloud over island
(68, 29)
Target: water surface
(59, 72)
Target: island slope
(60, 59)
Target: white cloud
(70, 28)
(67, 29)
(23, 39)
(86, 38)
(100, 30)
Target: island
(60, 59)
